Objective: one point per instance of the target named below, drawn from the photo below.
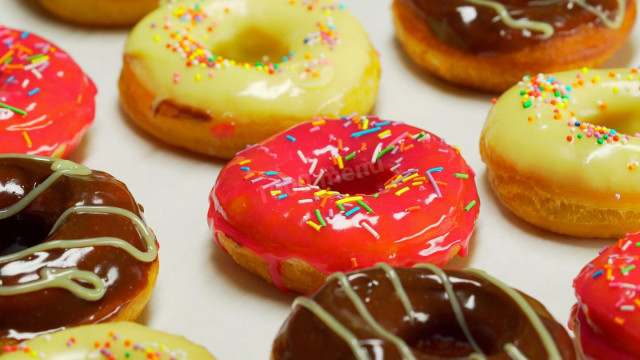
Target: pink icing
(607, 316)
(263, 198)
(56, 95)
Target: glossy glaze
(119, 340)
(606, 318)
(586, 133)
(475, 26)
(63, 230)
(453, 314)
(42, 80)
(265, 198)
(238, 61)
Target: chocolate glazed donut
(420, 313)
(491, 44)
(73, 248)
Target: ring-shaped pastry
(335, 195)
(491, 44)
(100, 12)
(215, 76)
(74, 249)
(118, 340)
(563, 151)
(46, 100)
(418, 314)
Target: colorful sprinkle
(365, 132)
(14, 109)
(370, 229)
(470, 205)
(365, 206)
(352, 211)
(320, 219)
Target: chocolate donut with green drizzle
(73, 248)
(420, 313)
(491, 44)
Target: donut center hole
(21, 232)
(252, 45)
(625, 121)
(449, 342)
(364, 178)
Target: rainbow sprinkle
(546, 91)
(189, 28)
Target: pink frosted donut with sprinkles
(606, 318)
(342, 194)
(46, 101)
(563, 151)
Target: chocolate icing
(26, 315)
(476, 29)
(493, 318)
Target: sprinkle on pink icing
(607, 316)
(53, 97)
(353, 192)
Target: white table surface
(201, 293)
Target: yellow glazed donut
(214, 76)
(563, 151)
(118, 340)
(100, 12)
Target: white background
(201, 293)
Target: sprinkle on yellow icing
(118, 340)
(572, 127)
(251, 55)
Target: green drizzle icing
(334, 325)
(67, 278)
(545, 28)
(361, 354)
(455, 304)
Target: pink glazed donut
(337, 195)
(46, 101)
(606, 318)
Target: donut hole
(252, 45)
(364, 178)
(448, 341)
(625, 121)
(21, 232)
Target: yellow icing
(534, 143)
(242, 29)
(122, 337)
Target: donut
(46, 101)
(75, 250)
(419, 313)
(100, 12)
(215, 76)
(606, 320)
(118, 340)
(562, 152)
(340, 194)
(489, 45)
